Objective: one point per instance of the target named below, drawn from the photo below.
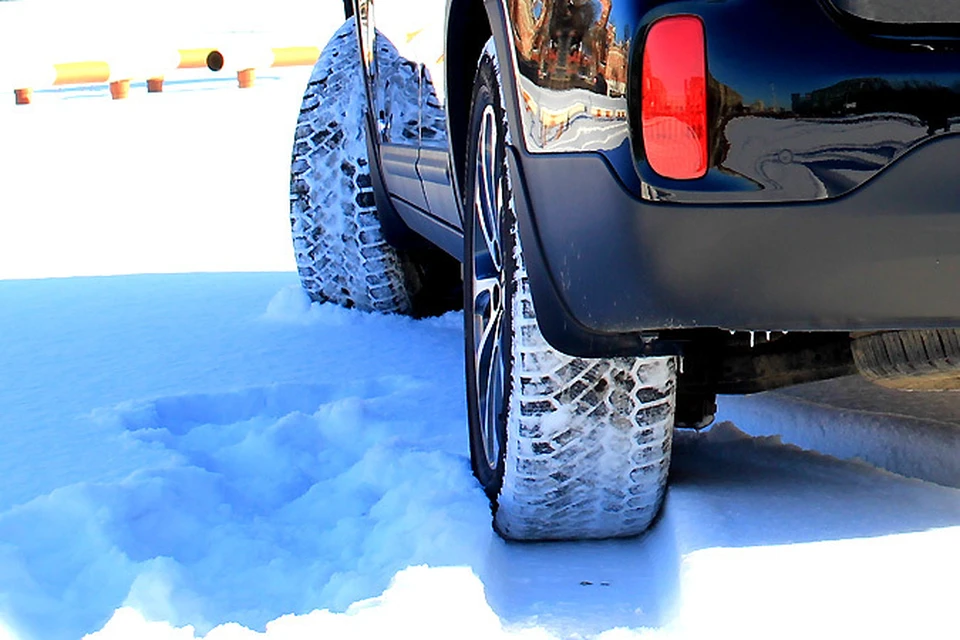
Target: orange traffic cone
(120, 89)
(23, 96)
(246, 78)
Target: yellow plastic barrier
(245, 60)
(90, 72)
(295, 56)
(99, 71)
(194, 58)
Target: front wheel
(565, 447)
(339, 242)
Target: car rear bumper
(606, 266)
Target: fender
(557, 322)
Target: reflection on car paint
(409, 61)
(813, 159)
(573, 74)
(818, 144)
(573, 120)
(398, 95)
(807, 119)
(433, 118)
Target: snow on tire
(566, 447)
(588, 439)
(342, 255)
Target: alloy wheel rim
(488, 288)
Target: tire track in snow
(299, 496)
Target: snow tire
(582, 445)
(342, 253)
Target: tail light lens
(674, 95)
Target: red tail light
(674, 94)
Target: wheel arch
(467, 30)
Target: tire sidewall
(486, 92)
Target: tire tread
(588, 439)
(920, 359)
(341, 253)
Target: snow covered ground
(207, 455)
(206, 449)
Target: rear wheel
(915, 360)
(565, 447)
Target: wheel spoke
(487, 313)
(490, 386)
(487, 197)
(494, 403)
(487, 253)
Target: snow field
(913, 434)
(294, 470)
(249, 495)
(186, 178)
(148, 167)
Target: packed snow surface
(214, 451)
(209, 455)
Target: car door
(434, 162)
(395, 95)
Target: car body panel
(788, 122)
(615, 264)
(831, 204)
(795, 122)
(408, 115)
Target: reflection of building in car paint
(822, 143)
(573, 74)
(616, 67)
(570, 44)
(932, 103)
(575, 119)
